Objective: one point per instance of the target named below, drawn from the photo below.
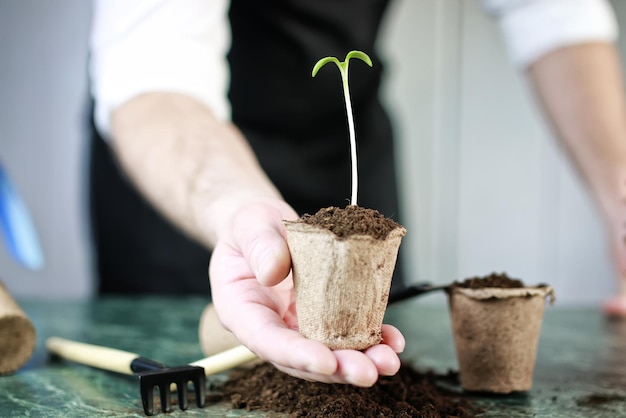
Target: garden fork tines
(153, 374)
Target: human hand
(253, 294)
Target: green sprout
(343, 69)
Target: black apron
(296, 125)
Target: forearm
(581, 89)
(196, 170)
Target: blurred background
(485, 186)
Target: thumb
(260, 236)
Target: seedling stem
(343, 69)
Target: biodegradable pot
(17, 334)
(496, 334)
(341, 284)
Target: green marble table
(580, 354)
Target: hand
(253, 295)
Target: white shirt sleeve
(533, 28)
(140, 46)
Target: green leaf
(323, 62)
(360, 55)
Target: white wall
(484, 185)
(43, 47)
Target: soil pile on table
(597, 399)
(407, 394)
(352, 220)
(501, 280)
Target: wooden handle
(225, 360)
(92, 355)
(18, 337)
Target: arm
(194, 168)
(582, 93)
(567, 49)
(160, 99)
(203, 175)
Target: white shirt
(140, 46)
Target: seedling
(343, 69)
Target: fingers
(385, 360)
(350, 366)
(353, 367)
(393, 338)
(286, 348)
(266, 334)
(356, 368)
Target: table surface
(580, 354)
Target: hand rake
(151, 373)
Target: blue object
(17, 226)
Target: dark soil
(407, 394)
(500, 280)
(597, 399)
(352, 220)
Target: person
(224, 134)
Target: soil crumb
(407, 394)
(352, 220)
(597, 399)
(501, 280)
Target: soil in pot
(499, 280)
(352, 220)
